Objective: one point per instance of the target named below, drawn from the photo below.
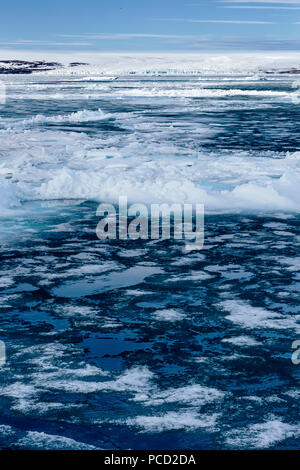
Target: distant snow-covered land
(147, 63)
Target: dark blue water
(98, 365)
(142, 344)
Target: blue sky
(150, 25)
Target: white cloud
(190, 20)
(231, 21)
(257, 7)
(129, 36)
(28, 42)
(291, 2)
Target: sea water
(142, 344)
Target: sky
(150, 25)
